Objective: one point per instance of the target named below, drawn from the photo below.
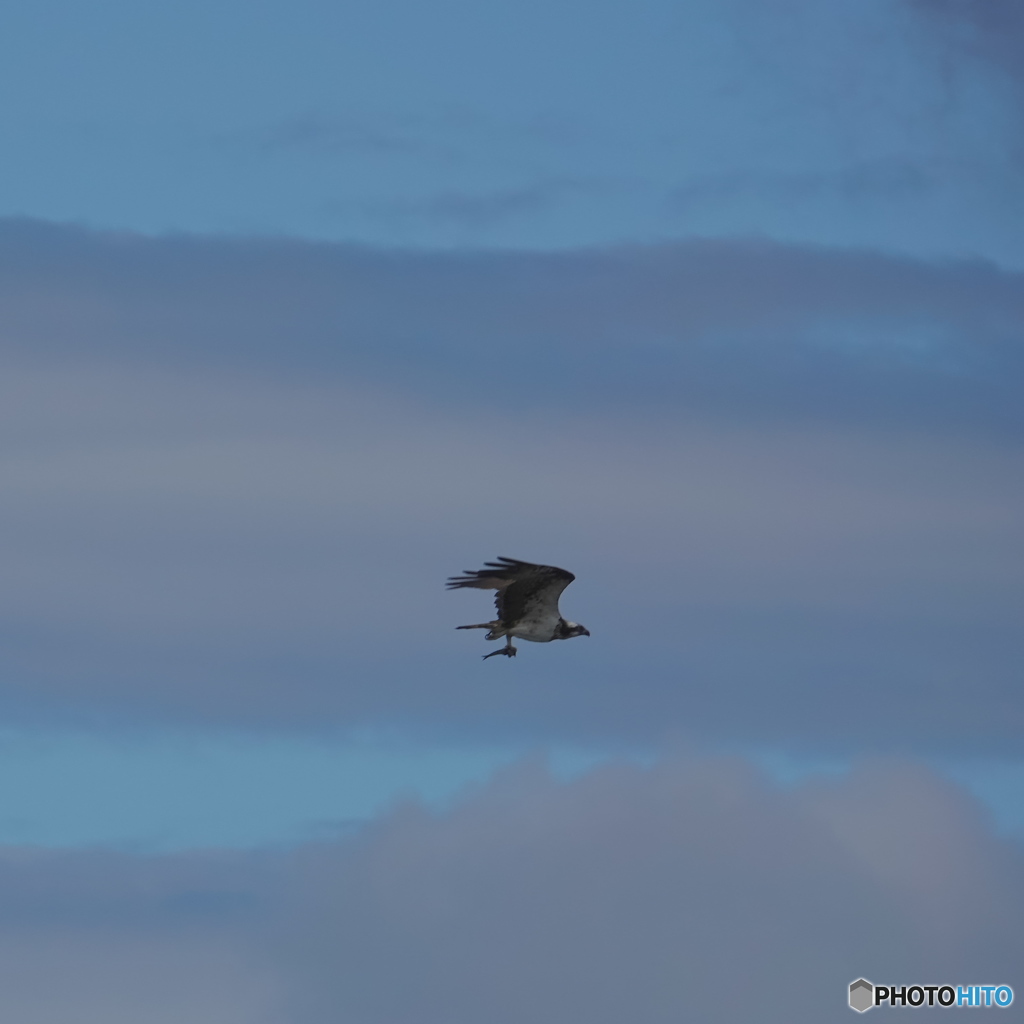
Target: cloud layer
(743, 328)
(788, 481)
(690, 888)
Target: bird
(526, 599)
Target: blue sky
(875, 124)
(304, 308)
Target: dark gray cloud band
(738, 327)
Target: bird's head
(572, 629)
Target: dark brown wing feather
(519, 584)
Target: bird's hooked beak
(584, 631)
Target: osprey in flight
(527, 602)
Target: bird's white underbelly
(536, 630)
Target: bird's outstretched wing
(522, 587)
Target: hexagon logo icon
(862, 995)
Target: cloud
(324, 135)
(238, 472)
(991, 32)
(478, 210)
(259, 553)
(741, 327)
(107, 938)
(887, 178)
(690, 888)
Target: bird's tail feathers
(496, 629)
